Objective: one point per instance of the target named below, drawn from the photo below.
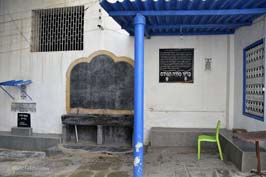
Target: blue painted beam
(258, 4)
(135, 5)
(107, 6)
(249, 3)
(147, 6)
(126, 5)
(177, 5)
(191, 33)
(121, 21)
(254, 5)
(212, 5)
(178, 26)
(157, 8)
(236, 4)
(139, 22)
(189, 7)
(200, 6)
(199, 26)
(190, 12)
(225, 3)
(139, 4)
(168, 6)
(250, 17)
(225, 19)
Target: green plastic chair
(213, 139)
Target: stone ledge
(98, 119)
(36, 142)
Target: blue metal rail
(190, 12)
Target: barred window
(57, 29)
(253, 83)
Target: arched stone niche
(100, 84)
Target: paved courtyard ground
(159, 162)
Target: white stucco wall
(199, 104)
(47, 70)
(244, 37)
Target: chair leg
(220, 150)
(198, 150)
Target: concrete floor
(159, 162)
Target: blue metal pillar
(139, 22)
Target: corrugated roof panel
(202, 15)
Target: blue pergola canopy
(15, 83)
(186, 17)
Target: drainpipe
(139, 22)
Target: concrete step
(179, 137)
(35, 142)
(241, 153)
(21, 131)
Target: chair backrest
(218, 129)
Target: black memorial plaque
(176, 65)
(102, 84)
(24, 120)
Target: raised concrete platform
(36, 142)
(241, 153)
(179, 137)
(21, 131)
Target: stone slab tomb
(99, 100)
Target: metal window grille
(254, 73)
(57, 29)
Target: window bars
(57, 29)
(254, 80)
